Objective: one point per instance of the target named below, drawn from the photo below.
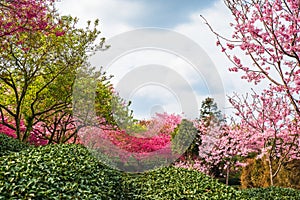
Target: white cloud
(219, 18)
(113, 14)
(115, 17)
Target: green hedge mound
(57, 172)
(72, 172)
(9, 145)
(175, 183)
(274, 193)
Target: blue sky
(118, 17)
(168, 13)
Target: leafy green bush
(72, 172)
(57, 172)
(175, 183)
(274, 193)
(9, 145)
(185, 139)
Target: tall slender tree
(209, 112)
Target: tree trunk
(271, 172)
(227, 174)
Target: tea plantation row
(72, 172)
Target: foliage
(70, 171)
(34, 137)
(267, 31)
(9, 145)
(289, 175)
(175, 183)
(275, 193)
(133, 151)
(256, 174)
(184, 139)
(57, 172)
(209, 112)
(103, 100)
(39, 66)
(122, 115)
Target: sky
(162, 55)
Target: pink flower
(59, 33)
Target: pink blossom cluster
(34, 137)
(156, 140)
(268, 124)
(268, 33)
(265, 124)
(196, 164)
(24, 15)
(6, 130)
(60, 128)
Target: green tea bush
(274, 193)
(9, 145)
(72, 172)
(175, 183)
(57, 172)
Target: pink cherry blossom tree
(267, 31)
(218, 151)
(269, 127)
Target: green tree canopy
(210, 113)
(38, 69)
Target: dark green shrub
(185, 139)
(57, 172)
(175, 183)
(231, 181)
(9, 145)
(71, 172)
(274, 193)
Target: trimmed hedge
(175, 183)
(274, 193)
(9, 145)
(57, 172)
(72, 172)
